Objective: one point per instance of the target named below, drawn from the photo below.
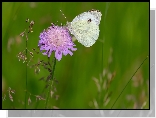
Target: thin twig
(53, 69)
(26, 77)
(128, 82)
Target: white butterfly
(85, 27)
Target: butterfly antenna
(63, 14)
(129, 81)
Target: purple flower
(58, 39)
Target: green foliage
(124, 29)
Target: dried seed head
(37, 70)
(27, 20)
(31, 53)
(4, 97)
(22, 34)
(51, 93)
(29, 100)
(32, 23)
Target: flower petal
(57, 39)
(58, 55)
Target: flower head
(58, 39)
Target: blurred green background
(122, 46)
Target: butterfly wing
(86, 33)
(85, 27)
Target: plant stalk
(51, 82)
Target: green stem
(129, 81)
(26, 78)
(43, 89)
(51, 82)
